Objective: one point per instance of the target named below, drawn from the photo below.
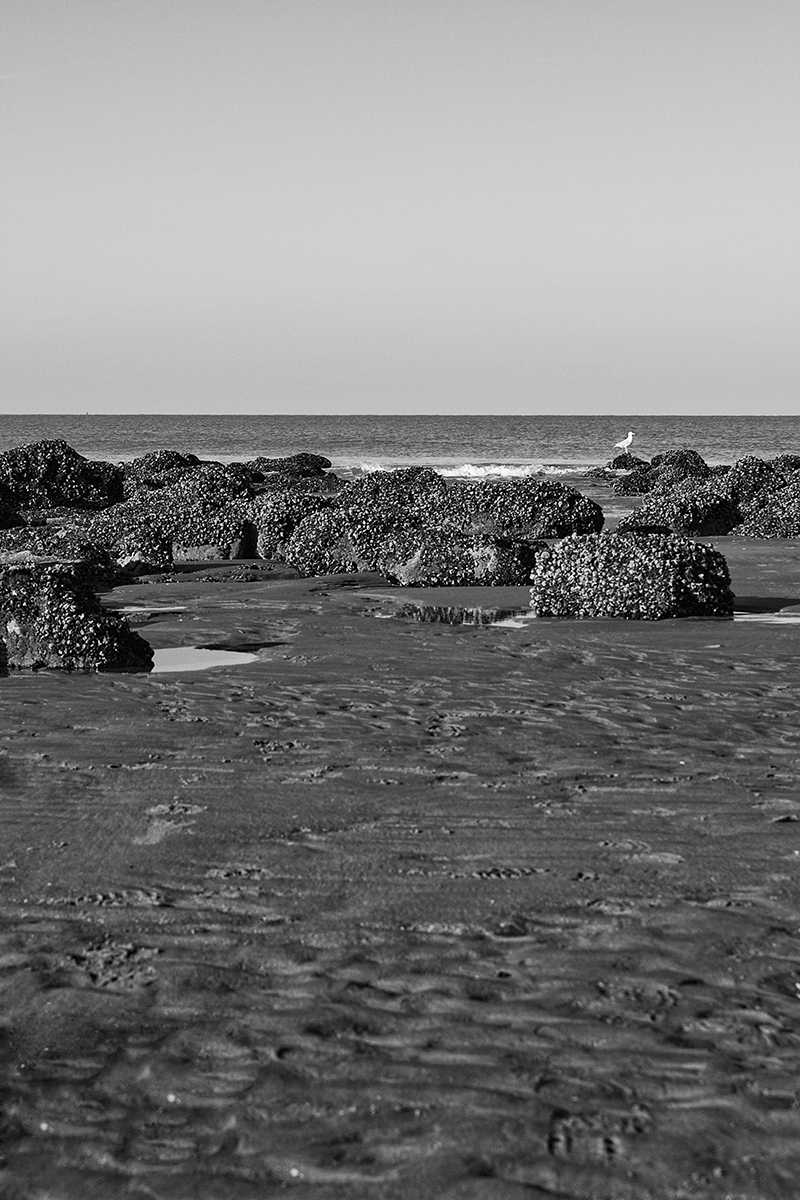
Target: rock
(47, 474)
(691, 507)
(63, 543)
(275, 517)
(626, 462)
(446, 558)
(51, 617)
(303, 466)
(320, 545)
(143, 552)
(636, 576)
(663, 471)
(377, 504)
(155, 470)
(778, 517)
(518, 509)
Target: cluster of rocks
(684, 495)
(69, 525)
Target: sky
(399, 206)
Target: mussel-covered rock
(51, 617)
(663, 471)
(156, 469)
(691, 507)
(303, 466)
(321, 545)
(448, 558)
(276, 515)
(776, 517)
(49, 474)
(63, 542)
(626, 462)
(518, 509)
(637, 576)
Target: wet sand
(406, 909)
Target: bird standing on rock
(623, 445)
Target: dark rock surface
(9, 517)
(303, 466)
(51, 617)
(48, 474)
(637, 576)
(63, 542)
(626, 462)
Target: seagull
(623, 445)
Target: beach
(406, 908)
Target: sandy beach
(403, 908)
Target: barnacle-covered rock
(637, 576)
(155, 470)
(518, 509)
(303, 466)
(51, 617)
(321, 545)
(143, 551)
(692, 507)
(663, 471)
(377, 504)
(48, 474)
(776, 517)
(276, 515)
(63, 542)
(626, 462)
(447, 558)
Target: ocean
(464, 446)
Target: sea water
(465, 446)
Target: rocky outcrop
(64, 543)
(320, 545)
(302, 466)
(447, 558)
(636, 576)
(276, 515)
(519, 510)
(51, 617)
(776, 517)
(627, 462)
(49, 474)
(692, 507)
(663, 471)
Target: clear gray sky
(403, 206)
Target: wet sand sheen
(403, 909)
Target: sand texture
(406, 909)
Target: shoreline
(403, 909)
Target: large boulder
(10, 518)
(379, 503)
(51, 617)
(50, 474)
(776, 517)
(64, 543)
(518, 509)
(636, 576)
(663, 471)
(156, 469)
(302, 466)
(691, 507)
(320, 545)
(448, 558)
(276, 515)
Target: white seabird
(623, 445)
